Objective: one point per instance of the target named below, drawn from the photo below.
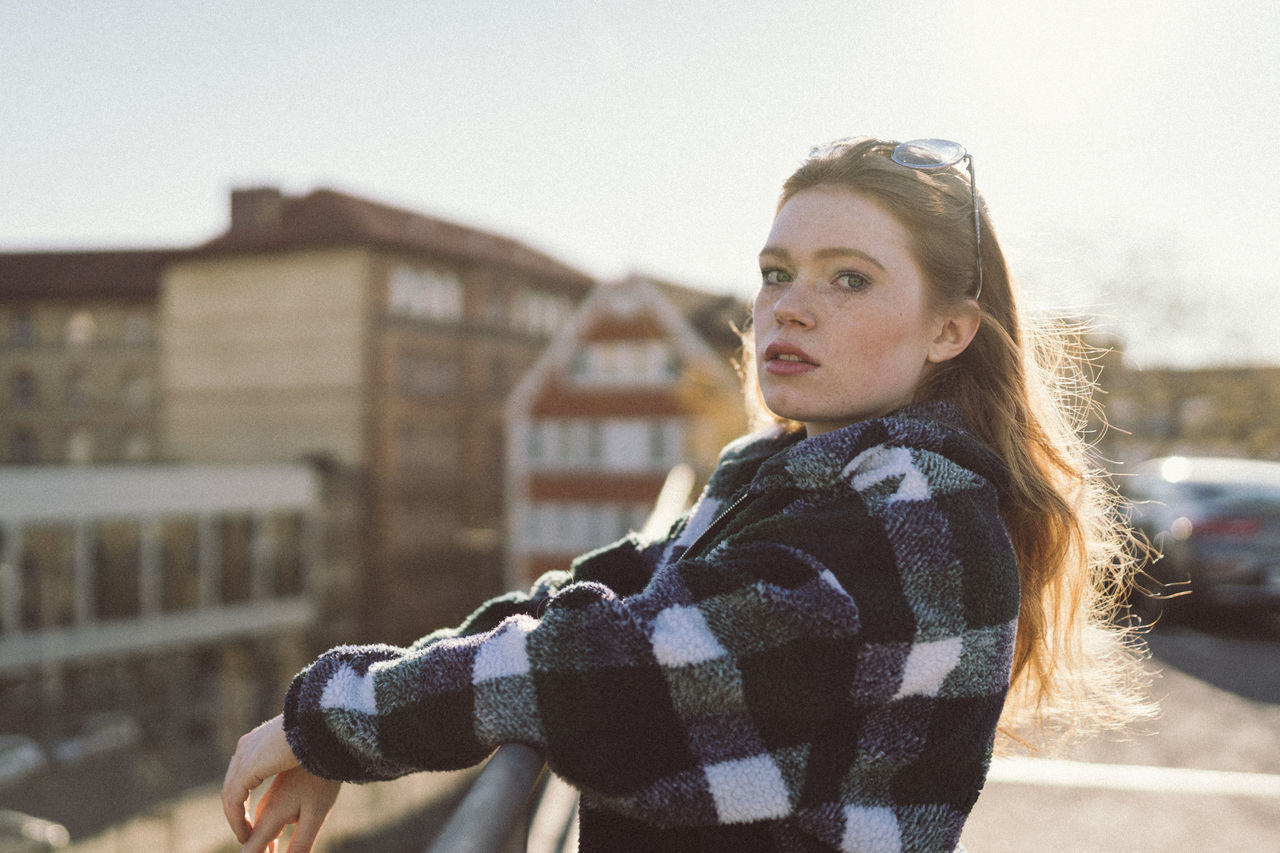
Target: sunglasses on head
(939, 154)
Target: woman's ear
(956, 328)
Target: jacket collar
(816, 463)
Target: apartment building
(78, 356)
(366, 355)
(374, 341)
(629, 389)
(176, 597)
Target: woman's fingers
(235, 802)
(295, 796)
(304, 835)
(316, 797)
(260, 754)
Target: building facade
(1208, 411)
(377, 341)
(627, 392)
(217, 461)
(176, 598)
(78, 357)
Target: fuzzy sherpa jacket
(815, 658)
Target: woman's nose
(794, 306)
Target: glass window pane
(116, 558)
(179, 564)
(48, 576)
(235, 548)
(287, 532)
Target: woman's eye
(774, 276)
(852, 281)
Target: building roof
(641, 300)
(717, 317)
(265, 220)
(80, 274)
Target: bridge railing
(516, 804)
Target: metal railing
(516, 804)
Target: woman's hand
(295, 797)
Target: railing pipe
(501, 796)
(495, 804)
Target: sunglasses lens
(928, 153)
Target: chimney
(256, 210)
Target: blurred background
(321, 323)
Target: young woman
(910, 555)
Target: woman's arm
(849, 629)
(633, 699)
(298, 796)
(625, 566)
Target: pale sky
(1124, 148)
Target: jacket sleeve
(625, 566)
(609, 688)
(694, 702)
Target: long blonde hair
(1025, 391)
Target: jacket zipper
(715, 526)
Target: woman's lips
(783, 359)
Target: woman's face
(843, 329)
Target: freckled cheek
(878, 350)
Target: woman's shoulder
(919, 446)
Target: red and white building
(630, 389)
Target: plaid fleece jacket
(813, 659)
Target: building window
(48, 576)
(22, 389)
(81, 329)
(8, 584)
(80, 446)
(179, 564)
(22, 330)
(135, 389)
(571, 528)
(539, 313)
(287, 532)
(136, 447)
(659, 440)
(621, 444)
(136, 330)
(77, 389)
(235, 545)
(117, 554)
(492, 307)
(23, 448)
(535, 447)
(429, 293)
(625, 364)
(595, 444)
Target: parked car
(1216, 521)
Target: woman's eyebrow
(823, 254)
